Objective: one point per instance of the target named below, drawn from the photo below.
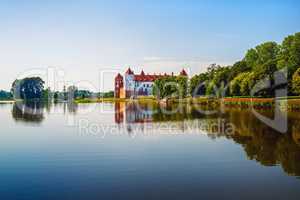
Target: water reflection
(34, 161)
(32, 111)
(265, 145)
(71, 107)
(119, 112)
(259, 141)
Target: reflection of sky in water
(55, 161)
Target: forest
(254, 75)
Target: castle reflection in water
(133, 113)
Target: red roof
(129, 71)
(148, 77)
(183, 73)
(119, 76)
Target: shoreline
(284, 103)
(7, 101)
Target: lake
(133, 151)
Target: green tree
(263, 63)
(5, 95)
(235, 84)
(289, 57)
(251, 58)
(182, 82)
(254, 73)
(171, 86)
(198, 85)
(247, 83)
(218, 79)
(47, 95)
(267, 52)
(237, 68)
(296, 82)
(56, 96)
(109, 94)
(28, 88)
(261, 54)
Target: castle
(137, 84)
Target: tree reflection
(72, 107)
(264, 144)
(30, 111)
(259, 141)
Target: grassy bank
(284, 103)
(99, 100)
(112, 100)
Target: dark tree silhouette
(28, 88)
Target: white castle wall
(145, 86)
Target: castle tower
(119, 86)
(183, 73)
(129, 83)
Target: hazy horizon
(83, 38)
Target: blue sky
(83, 38)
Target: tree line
(254, 75)
(32, 88)
(5, 95)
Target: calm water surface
(115, 151)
